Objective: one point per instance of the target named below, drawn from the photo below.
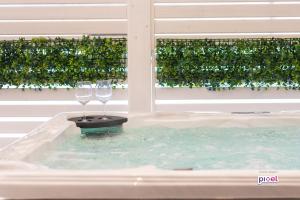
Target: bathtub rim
(144, 182)
(154, 184)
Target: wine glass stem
(104, 114)
(84, 116)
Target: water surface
(174, 148)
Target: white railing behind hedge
(188, 19)
(31, 18)
(21, 111)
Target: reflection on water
(101, 132)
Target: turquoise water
(173, 148)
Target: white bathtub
(22, 180)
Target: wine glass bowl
(104, 93)
(83, 94)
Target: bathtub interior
(165, 141)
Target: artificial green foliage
(216, 64)
(43, 62)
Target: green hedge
(43, 62)
(214, 64)
(231, 63)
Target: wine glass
(104, 93)
(83, 94)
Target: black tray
(98, 121)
